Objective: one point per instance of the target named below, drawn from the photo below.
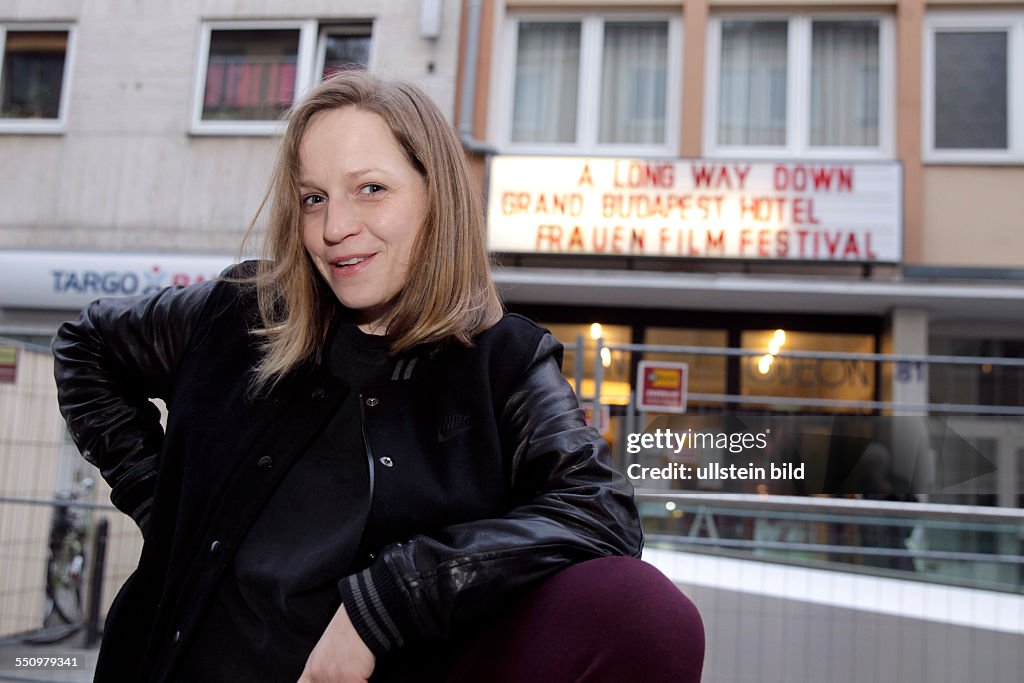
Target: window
(343, 47)
(34, 77)
(707, 373)
(973, 71)
(251, 73)
(752, 95)
(547, 83)
(592, 83)
(634, 79)
(804, 85)
(615, 380)
(806, 378)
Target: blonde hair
(448, 295)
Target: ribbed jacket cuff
(133, 494)
(377, 608)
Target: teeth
(350, 262)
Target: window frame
(312, 41)
(1010, 22)
(799, 37)
(331, 28)
(589, 83)
(42, 126)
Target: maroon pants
(612, 619)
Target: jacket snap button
(372, 402)
(318, 393)
(177, 637)
(265, 463)
(386, 461)
(215, 547)
(371, 556)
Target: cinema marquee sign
(696, 208)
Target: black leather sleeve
(108, 363)
(572, 506)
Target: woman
(362, 456)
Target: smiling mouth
(355, 260)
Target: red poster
(661, 387)
(8, 364)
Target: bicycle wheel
(64, 583)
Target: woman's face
(363, 205)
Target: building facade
(690, 173)
(705, 173)
(149, 128)
(136, 141)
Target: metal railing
(915, 360)
(846, 529)
(979, 547)
(963, 545)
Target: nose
(341, 220)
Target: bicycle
(66, 560)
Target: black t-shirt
(280, 592)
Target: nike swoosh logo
(444, 436)
(453, 425)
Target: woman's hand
(340, 656)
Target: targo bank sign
(696, 208)
(70, 280)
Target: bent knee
(625, 590)
(629, 616)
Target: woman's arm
(572, 506)
(107, 364)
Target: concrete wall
(778, 623)
(772, 640)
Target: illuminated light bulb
(670, 506)
(764, 364)
(595, 331)
(773, 346)
(780, 336)
(606, 357)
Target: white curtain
(633, 83)
(547, 75)
(752, 84)
(844, 83)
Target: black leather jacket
(505, 482)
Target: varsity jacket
(484, 447)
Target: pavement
(46, 656)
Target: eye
(308, 201)
(371, 189)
